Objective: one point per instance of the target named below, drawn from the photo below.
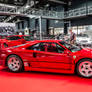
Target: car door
(31, 54)
(28, 55)
(53, 57)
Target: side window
(49, 47)
(60, 48)
(17, 37)
(13, 38)
(34, 47)
(39, 47)
(43, 46)
(54, 47)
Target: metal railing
(89, 10)
(46, 13)
(75, 13)
(79, 12)
(23, 11)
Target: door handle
(34, 54)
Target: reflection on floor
(42, 82)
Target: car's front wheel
(84, 68)
(14, 63)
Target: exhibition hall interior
(45, 45)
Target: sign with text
(7, 28)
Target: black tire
(15, 63)
(5, 45)
(82, 68)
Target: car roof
(18, 35)
(14, 35)
(38, 41)
(48, 40)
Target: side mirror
(66, 52)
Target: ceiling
(23, 2)
(42, 3)
(14, 2)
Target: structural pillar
(47, 27)
(65, 24)
(40, 24)
(65, 28)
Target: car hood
(86, 52)
(87, 49)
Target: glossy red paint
(42, 82)
(11, 41)
(45, 61)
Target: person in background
(20, 33)
(35, 36)
(72, 37)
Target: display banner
(7, 28)
(14, 2)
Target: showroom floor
(42, 82)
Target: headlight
(9, 51)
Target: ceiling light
(18, 12)
(27, 6)
(47, 5)
(56, 21)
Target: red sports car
(14, 40)
(48, 56)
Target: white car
(84, 40)
(63, 37)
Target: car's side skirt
(28, 67)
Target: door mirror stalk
(66, 52)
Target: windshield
(28, 38)
(13, 38)
(3, 37)
(72, 48)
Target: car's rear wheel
(14, 63)
(84, 68)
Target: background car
(14, 40)
(63, 37)
(84, 40)
(48, 56)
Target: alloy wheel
(85, 68)
(14, 63)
